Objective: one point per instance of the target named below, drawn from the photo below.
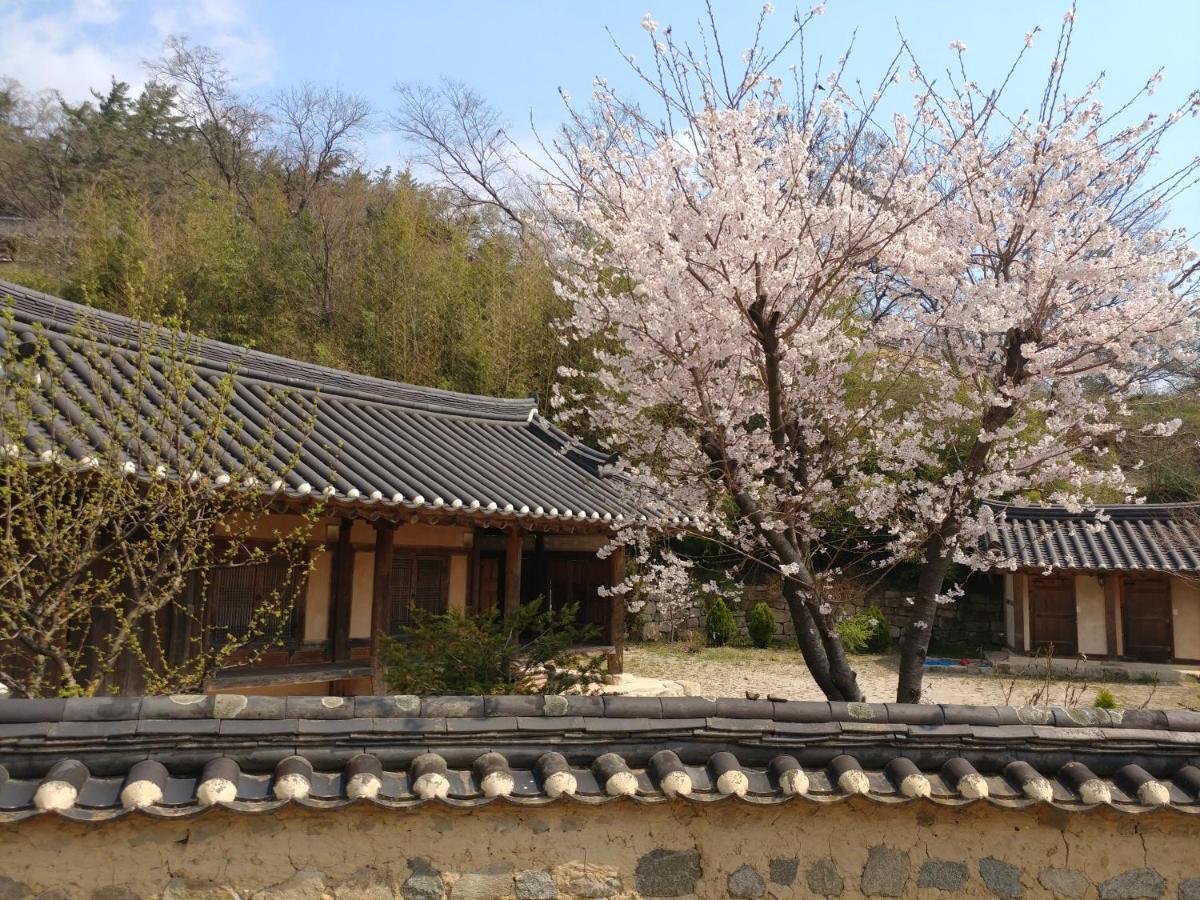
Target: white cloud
(222, 25)
(51, 51)
(83, 44)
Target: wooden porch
(477, 570)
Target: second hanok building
(1118, 582)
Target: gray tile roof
(385, 447)
(102, 758)
(1163, 538)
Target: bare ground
(731, 672)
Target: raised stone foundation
(620, 850)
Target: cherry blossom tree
(1044, 296)
(714, 259)
(801, 317)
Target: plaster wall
(444, 537)
(316, 597)
(271, 526)
(1089, 615)
(624, 850)
(1185, 612)
(360, 599)
(408, 537)
(1021, 586)
(456, 590)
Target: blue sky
(518, 52)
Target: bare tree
(461, 138)
(227, 125)
(320, 130)
(31, 164)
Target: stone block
(115, 892)
(886, 872)
(424, 882)
(196, 889)
(594, 887)
(536, 884)
(365, 884)
(943, 874)
(783, 871)
(1002, 879)
(307, 884)
(824, 879)
(667, 873)
(1134, 885)
(1064, 882)
(745, 884)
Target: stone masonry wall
(619, 850)
(974, 620)
(648, 624)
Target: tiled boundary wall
(623, 850)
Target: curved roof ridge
(1117, 510)
(46, 309)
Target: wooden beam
(381, 598)
(271, 676)
(513, 543)
(342, 596)
(616, 613)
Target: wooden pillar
(381, 599)
(1112, 614)
(513, 542)
(180, 617)
(342, 596)
(539, 571)
(616, 613)
(473, 594)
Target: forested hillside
(258, 223)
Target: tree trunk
(843, 676)
(820, 645)
(914, 645)
(811, 647)
(823, 652)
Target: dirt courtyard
(731, 672)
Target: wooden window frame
(399, 554)
(289, 641)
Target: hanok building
(435, 500)
(1119, 582)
